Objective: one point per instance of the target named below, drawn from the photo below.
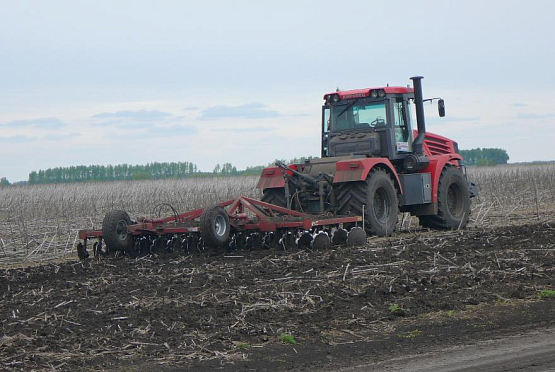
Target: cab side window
(402, 130)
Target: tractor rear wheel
(378, 195)
(431, 222)
(114, 231)
(453, 202)
(214, 226)
(275, 196)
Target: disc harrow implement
(241, 223)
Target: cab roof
(360, 93)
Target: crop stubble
(41, 222)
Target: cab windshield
(357, 116)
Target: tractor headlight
(374, 94)
(336, 98)
(381, 93)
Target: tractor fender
(358, 169)
(272, 177)
(437, 163)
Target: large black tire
(379, 196)
(214, 226)
(275, 196)
(431, 222)
(453, 202)
(114, 231)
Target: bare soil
(279, 310)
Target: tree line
(485, 156)
(85, 173)
(91, 173)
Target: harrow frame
(245, 215)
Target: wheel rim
(455, 200)
(381, 205)
(220, 225)
(121, 230)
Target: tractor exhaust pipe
(417, 160)
(417, 145)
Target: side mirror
(441, 107)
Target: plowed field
(277, 309)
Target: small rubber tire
(114, 231)
(214, 226)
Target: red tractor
(373, 164)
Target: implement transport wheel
(114, 231)
(379, 196)
(275, 196)
(214, 226)
(453, 202)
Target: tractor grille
(437, 146)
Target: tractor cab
(371, 122)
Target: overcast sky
(110, 82)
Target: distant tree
(253, 171)
(141, 176)
(4, 182)
(497, 156)
(33, 178)
(485, 163)
(89, 173)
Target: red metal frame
(358, 169)
(272, 177)
(265, 217)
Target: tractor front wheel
(382, 208)
(114, 231)
(378, 196)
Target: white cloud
(42, 123)
(16, 139)
(139, 115)
(244, 129)
(529, 115)
(246, 111)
